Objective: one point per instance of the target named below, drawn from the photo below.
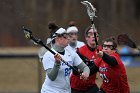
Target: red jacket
(75, 81)
(114, 77)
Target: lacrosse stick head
(27, 33)
(123, 39)
(90, 9)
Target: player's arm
(107, 58)
(85, 70)
(91, 64)
(93, 68)
(53, 72)
(83, 67)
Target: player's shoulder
(48, 53)
(69, 50)
(80, 43)
(83, 47)
(115, 55)
(68, 47)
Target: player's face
(107, 47)
(90, 37)
(63, 41)
(73, 37)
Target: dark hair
(53, 28)
(72, 23)
(87, 29)
(111, 39)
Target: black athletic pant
(92, 89)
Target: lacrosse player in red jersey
(87, 54)
(111, 69)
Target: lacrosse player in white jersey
(72, 31)
(57, 72)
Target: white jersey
(78, 45)
(62, 82)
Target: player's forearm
(84, 68)
(109, 59)
(53, 72)
(93, 69)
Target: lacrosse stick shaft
(42, 44)
(28, 35)
(95, 34)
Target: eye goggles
(64, 35)
(91, 34)
(108, 46)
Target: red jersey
(114, 77)
(75, 81)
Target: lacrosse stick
(91, 13)
(28, 35)
(123, 39)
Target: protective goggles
(108, 46)
(64, 35)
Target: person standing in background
(72, 31)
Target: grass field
(21, 75)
